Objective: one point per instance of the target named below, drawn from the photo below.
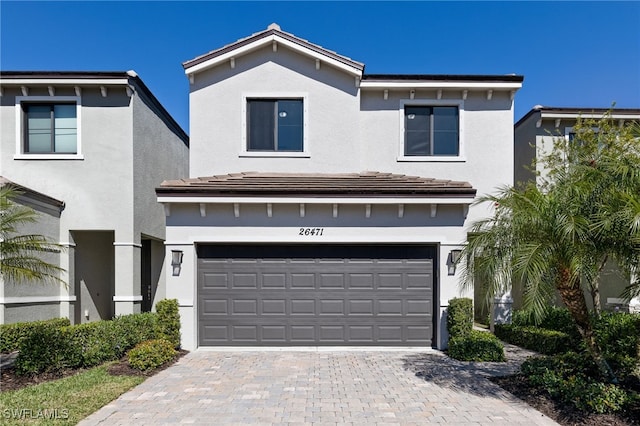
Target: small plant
(169, 321)
(151, 354)
(478, 345)
(574, 378)
(459, 317)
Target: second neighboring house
(327, 206)
(534, 135)
(86, 150)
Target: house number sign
(311, 232)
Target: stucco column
(68, 297)
(127, 296)
(501, 309)
(181, 285)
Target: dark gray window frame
(275, 126)
(25, 127)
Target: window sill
(434, 159)
(258, 154)
(48, 157)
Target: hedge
(459, 317)
(151, 354)
(86, 345)
(476, 346)
(548, 342)
(169, 321)
(11, 335)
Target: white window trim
(305, 153)
(20, 154)
(460, 158)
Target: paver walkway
(320, 387)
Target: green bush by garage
(51, 348)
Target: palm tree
(20, 259)
(547, 239)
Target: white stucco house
(324, 205)
(534, 135)
(87, 149)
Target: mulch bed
(9, 380)
(565, 414)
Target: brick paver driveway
(320, 387)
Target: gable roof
(272, 35)
(365, 184)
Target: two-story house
(534, 136)
(326, 206)
(87, 149)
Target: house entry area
(303, 295)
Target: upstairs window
(275, 125)
(50, 128)
(431, 131)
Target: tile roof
(273, 29)
(370, 184)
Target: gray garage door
(321, 295)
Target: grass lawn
(64, 401)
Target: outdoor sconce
(176, 261)
(454, 257)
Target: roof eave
(244, 47)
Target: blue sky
(575, 54)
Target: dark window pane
(445, 118)
(290, 125)
(445, 143)
(290, 138)
(417, 143)
(417, 118)
(261, 125)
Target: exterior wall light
(454, 257)
(176, 261)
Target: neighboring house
(87, 150)
(346, 229)
(534, 135)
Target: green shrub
(558, 319)
(548, 342)
(476, 346)
(83, 345)
(12, 334)
(618, 336)
(43, 349)
(135, 328)
(573, 378)
(169, 321)
(151, 354)
(460, 317)
(95, 343)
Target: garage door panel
(274, 333)
(274, 281)
(331, 307)
(274, 307)
(244, 307)
(303, 307)
(331, 281)
(332, 333)
(361, 281)
(214, 307)
(244, 281)
(361, 307)
(214, 280)
(303, 333)
(283, 301)
(303, 280)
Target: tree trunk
(573, 297)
